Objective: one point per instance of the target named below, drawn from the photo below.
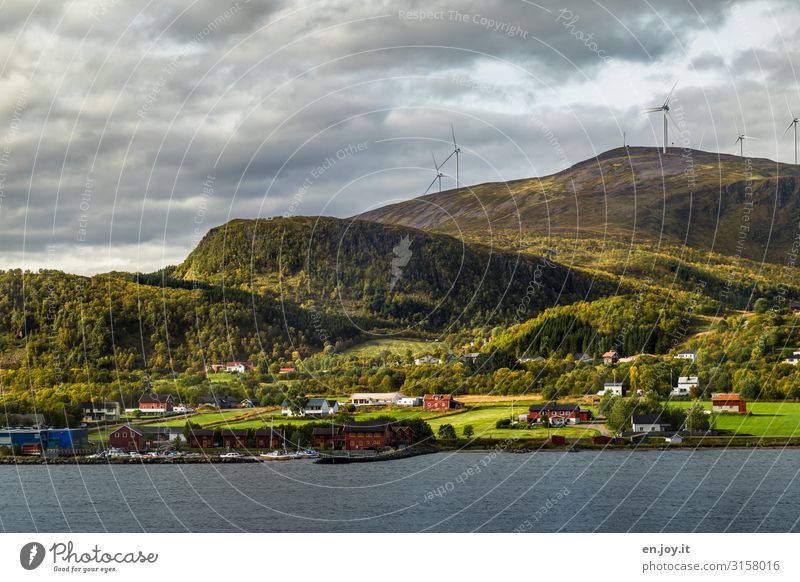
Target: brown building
(126, 438)
(728, 403)
(376, 435)
(267, 438)
(234, 438)
(440, 402)
(200, 438)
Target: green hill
(713, 202)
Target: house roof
(377, 395)
(648, 419)
(726, 396)
(554, 407)
(688, 352)
(130, 428)
(155, 398)
(325, 430)
(234, 432)
(200, 432)
(438, 397)
(610, 354)
(366, 426)
(318, 402)
(266, 432)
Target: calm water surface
(616, 491)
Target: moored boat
(276, 456)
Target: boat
(276, 456)
(310, 454)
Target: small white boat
(310, 454)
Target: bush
(469, 430)
(447, 432)
(503, 423)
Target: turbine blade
(453, 131)
(430, 185)
(749, 137)
(666, 101)
(789, 108)
(447, 158)
(788, 127)
(435, 165)
(653, 109)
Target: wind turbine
(439, 176)
(665, 109)
(794, 122)
(455, 152)
(740, 141)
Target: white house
(794, 359)
(410, 401)
(426, 359)
(612, 388)
(649, 423)
(314, 407)
(376, 398)
(686, 355)
(527, 359)
(685, 385)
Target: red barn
(234, 438)
(201, 438)
(155, 403)
(440, 402)
(267, 438)
(568, 413)
(126, 438)
(727, 402)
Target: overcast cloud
(129, 128)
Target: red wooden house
(376, 435)
(728, 402)
(267, 438)
(329, 438)
(200, 438)
(234, 438)
(155, 403)
(610, 357)
(126, 438)
(570, 413)
(440, 402)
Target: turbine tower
(793, 123)
(439, 176)
(740, 141)
(665, 109)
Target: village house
(126, 438)
(376, 435)
(287, 370)
(313, 407)
(649, 423)
(267, 438)
(328, 437)
(731, 403)
(234, 438)
(529, 359)
(201, 438)
(248, 403)
(155, 403)
(101, 411)
(690, 355)
(239, 367)
(440, 402)
(685, 385)
(610, 357)
(214, 369)
(567, 413)
(612, 388)
(426, 359)
(794, 359)
(376, 398)
(219, 402)
(582, 358)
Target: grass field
(399, 346)
(765, 419)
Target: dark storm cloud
(123, 113)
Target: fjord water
(610, 491)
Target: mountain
(725, 204)
(403, 275)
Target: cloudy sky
(129, 128)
